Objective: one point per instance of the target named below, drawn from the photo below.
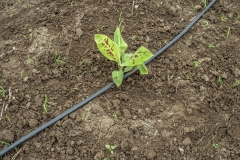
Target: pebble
(32, 123)
(126, 113)
(6, 135)
(186, 141)
(150, 154)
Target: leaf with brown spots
(137, 58)
(107, 47)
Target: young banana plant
(115, 50)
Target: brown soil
(177, 111)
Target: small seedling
(21, 74)
(191, 74)
(83, 117)
(238, 17)
(115, 115)
(220, 80)
(196, 64)
(29, 60)
(207, 23)
(213, 64)
(169, 78)
(204, 3)
(134, 37)
(8, 118)
(5, 143)
(193, 7)
(72, 3)
(19, 1)
(2, 91)
(210, 45)
(10, 15)
(101, 29)
(110, 148)
(223, 18)
(165, 42)
(237, 82)
(215, 145)
(45, 103)
(228, 33)
(115, 50)
(58, 58)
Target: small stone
(167, 28)
(32, 123)
(188, 42)
(236, 72)
(189, 129)
(35, 71)
(153, 104)
(173, 10)
(125, 145)
(6, 135)
(197, 7)
(189, 111)
(99, 155)
(67, 123)
(181, 150)
(224, 75)
(69, 150)
(205, 77)
(115, 102)
(187, 141)
(150, 154)
(38, 101)
(165, 133)
(126, 113)
(25, 79)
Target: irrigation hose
(88, 99)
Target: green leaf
(117, 77)
(107, 146)
(142, 68)
(107, 47)
(125, 56)
(139, 57)
(127, 69)
(118, 39)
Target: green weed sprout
(134, 37)
(215, 145)
(58, 58)
(210, 45)
(238, 17)
(196, 64)
(237, 82)
(115, 50)
(2, 91)
(207, 23)
(228, 33)
(220, 80)
(204, 2)
(110, 148)
(5, 143)
(45, 103)
(223, 18)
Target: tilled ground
(187, 107)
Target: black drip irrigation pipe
(88, 99)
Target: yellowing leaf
(139, 57)
(107, 47)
